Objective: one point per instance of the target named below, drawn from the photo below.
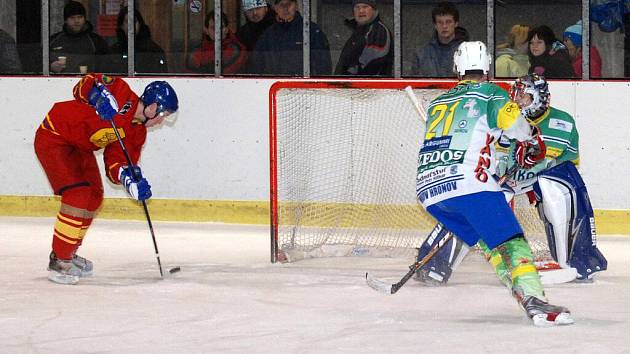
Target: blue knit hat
(574, 33)
(253, 4)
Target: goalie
(553, 184)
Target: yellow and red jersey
(77, 123)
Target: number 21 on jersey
(441, 120)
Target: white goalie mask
(471, 56)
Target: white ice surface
(229, 298)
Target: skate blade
(65, 279)
(86, 274)
(562, 319)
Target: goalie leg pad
(445, 261)
(569, 221)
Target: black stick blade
(378, 284)
(174, 270)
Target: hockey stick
(416, 103)
(380, 285)
(388, 288)
(144, 203)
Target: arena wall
(213, 163)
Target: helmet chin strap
(144, 113)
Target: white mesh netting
(346, 165)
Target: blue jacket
(436, 59)
(279, 50)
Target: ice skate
(62, 271)
(544, 314)
(85, 266)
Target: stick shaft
(144, 203)
(416, 103)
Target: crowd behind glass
(346, 38)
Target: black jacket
(83, 48)
(554, 63)
(150, 57)
(368, 52)
(279, 50)
(249, 33)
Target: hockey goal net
(343, 160)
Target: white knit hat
(253, 4)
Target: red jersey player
(65, 143)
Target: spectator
(258, 16)
(512, 59)
(436, 58)
(547, 55)
(279, 49)
(369, 50)
(573, 41)
(76, 45)
(9, 59)
(233, 52)
(149, 56)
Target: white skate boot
(62, 271)
(544, 314)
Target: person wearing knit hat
(258, 17)
(76, 45)
(573, 41)
(369, 51)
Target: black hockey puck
(174, 270)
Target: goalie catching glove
(136, 186)
(103, 101)
(529, 153)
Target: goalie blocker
(563, 205)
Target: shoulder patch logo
(560, 125)
(107, 79)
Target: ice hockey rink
(229, 298)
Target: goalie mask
(536, 86)
(471, 58)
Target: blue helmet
(163, 94)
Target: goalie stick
(388, 288)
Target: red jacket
(234, 55)
(595, 63)
(77, 123)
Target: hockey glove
(136, 186)
(103, 101)
(529, 153)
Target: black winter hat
(367, 2)
(73, 8)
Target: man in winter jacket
(436, 58)
(258, 16)
(369, 51)
(76, 45)
(279, 49)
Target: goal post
(343, 161)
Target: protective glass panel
(529, 38)
(428, 41)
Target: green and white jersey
(561, 139)
(457, 156)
